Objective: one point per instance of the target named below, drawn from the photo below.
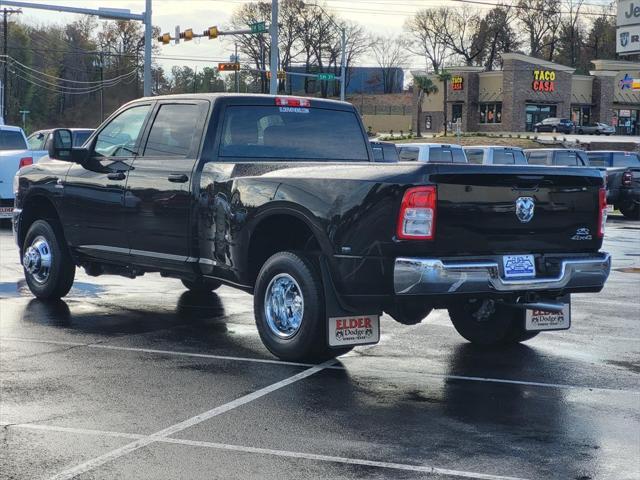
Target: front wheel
(288, 305)
(48, 267)
(554, 130)
(489, 324)
(630, 211)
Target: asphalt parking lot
(140, 379)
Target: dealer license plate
(6, 212)
(541, 320)
(356, 330)
(519, 266)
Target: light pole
(343, 46)
(99, 63)
(273, 83)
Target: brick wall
(603, 91)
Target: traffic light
(281, 75)
(228, 67)
(211, 32)
(165, 38)
(187, 35)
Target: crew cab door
(158, 200)
(93, 205)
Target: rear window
(265, 132)
(12, 140)
(626, 160)
(384, 153)
(598, 159)
(569, 159)
(409, 154)
(503, 157)
(475, 156)
(519, 157)
(538, 158)
(446, 155)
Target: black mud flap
(345, 325)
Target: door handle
(178, 178)
(116, 176)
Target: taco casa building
(527, 90)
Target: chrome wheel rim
(37, 259)
(284, 306)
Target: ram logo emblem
(525, 207)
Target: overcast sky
(379, 16)
(384, 17)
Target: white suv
(14, 155)
(431, 153)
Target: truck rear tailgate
(477, 210)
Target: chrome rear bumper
(428, 276)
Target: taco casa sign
(628, 31)
(457, 83)
(544, 81)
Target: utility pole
(237, 73)
(273, 83)
(6, 12)
(99, 64)
(343, 67)
(148, 30)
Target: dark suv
(553, 124)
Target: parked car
(495, 155)
(385, 152)
(431, 153)
(13, 156)
(623, 179)
(595, 129)
(276, 196)
(38, 140)
(567, 157)
(553, 124)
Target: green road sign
(326, 76)
(258, 27)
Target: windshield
(272, 132)
(12, 140)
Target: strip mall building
(527, 90)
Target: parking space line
(190, 422)
(271, 452)
(440, 376)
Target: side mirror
(61, 145)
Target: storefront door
(537, 113)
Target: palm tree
(426, 87)
(444, 77)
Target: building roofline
(615, 65)
(537, 61)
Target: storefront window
(581, 115)
(491, 113)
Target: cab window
(626, 159)
(538, 158)
(503, 157)
(120, 136)
(36, 141)
(409, 154)
(173, 131)
(475, 155)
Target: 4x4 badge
(525, 207)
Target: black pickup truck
(623, 179)
(281, 197)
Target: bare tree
(390, 54)
(424, 38)
(496, 29)
(540, 19)
(460, 31)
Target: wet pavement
(141, 379)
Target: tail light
(25, 161)
(627, 179)
(602, 208)
(417, 217)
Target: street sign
(258, 27)
(628, 40)
(628, 12)
(326, 76)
